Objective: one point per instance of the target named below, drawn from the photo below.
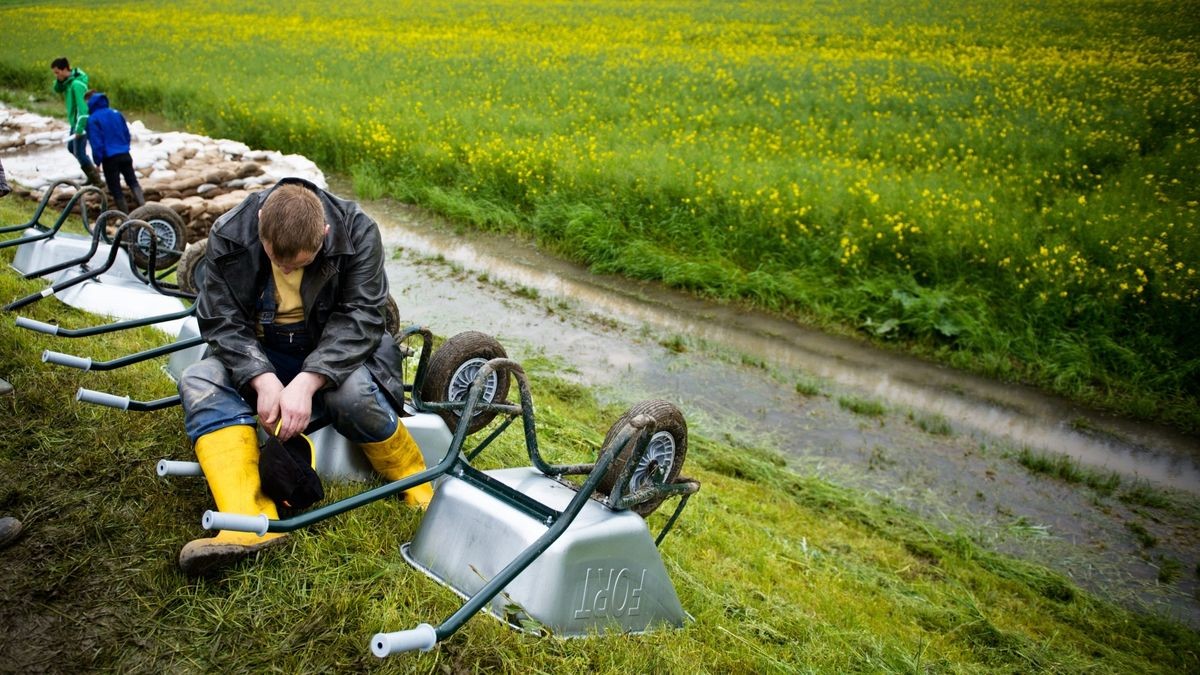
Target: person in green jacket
(72, 84)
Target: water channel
(616, 306)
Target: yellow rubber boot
(397, 457)
(229, 458)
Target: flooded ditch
(936, 440)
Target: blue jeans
(78, 147)
(357, 409)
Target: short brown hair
(292, 221)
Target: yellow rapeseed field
(1012, 182)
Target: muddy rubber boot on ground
(10, 529)
(93, 176)
(229, 458)
(138, 197)
(119, 200)
(398, 457)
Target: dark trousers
(114, 168)
(78, 147)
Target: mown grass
(1005, 186)
(782, 572)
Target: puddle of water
(1022, 415)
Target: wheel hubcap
(655, 465)
(465, 375)
(165, 234)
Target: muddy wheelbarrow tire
(453, 368)
(391, 317)
(664, 455)
(189, 265)
(169, 228)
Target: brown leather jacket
(344, 291)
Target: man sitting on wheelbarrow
(292, 302)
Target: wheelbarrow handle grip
(60, 359)
(101, 398)
(423, 637)
(38, 326)
(167, 467)
(215, 520)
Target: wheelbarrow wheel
(453, 368)
(186, 273)
(168, 227)
(391, 316)
(664, 455)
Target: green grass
(934, 424)
(783, 572)
(1144, 537)
(809, 386)
(1142, 493)
(1169, 570)
(1069, 470)
(1005, 187)
(862, 406)
(1107, 483)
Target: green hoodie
(73, 89)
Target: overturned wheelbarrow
(111, 282)
(529, 547)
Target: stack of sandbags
(200, 178)
(19, 128)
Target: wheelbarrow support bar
(123, 402)
(59, 331)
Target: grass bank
(782, 572)
(1008, 187)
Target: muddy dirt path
(946, 444)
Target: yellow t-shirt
(289, 307)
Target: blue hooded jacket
(106, 129)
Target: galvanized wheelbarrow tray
(526, 545)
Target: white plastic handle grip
(236, 522)
(38, 326)
(168, 467)
(60, 359)
(101, 398)
(423, 637)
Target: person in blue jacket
(109, 137)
